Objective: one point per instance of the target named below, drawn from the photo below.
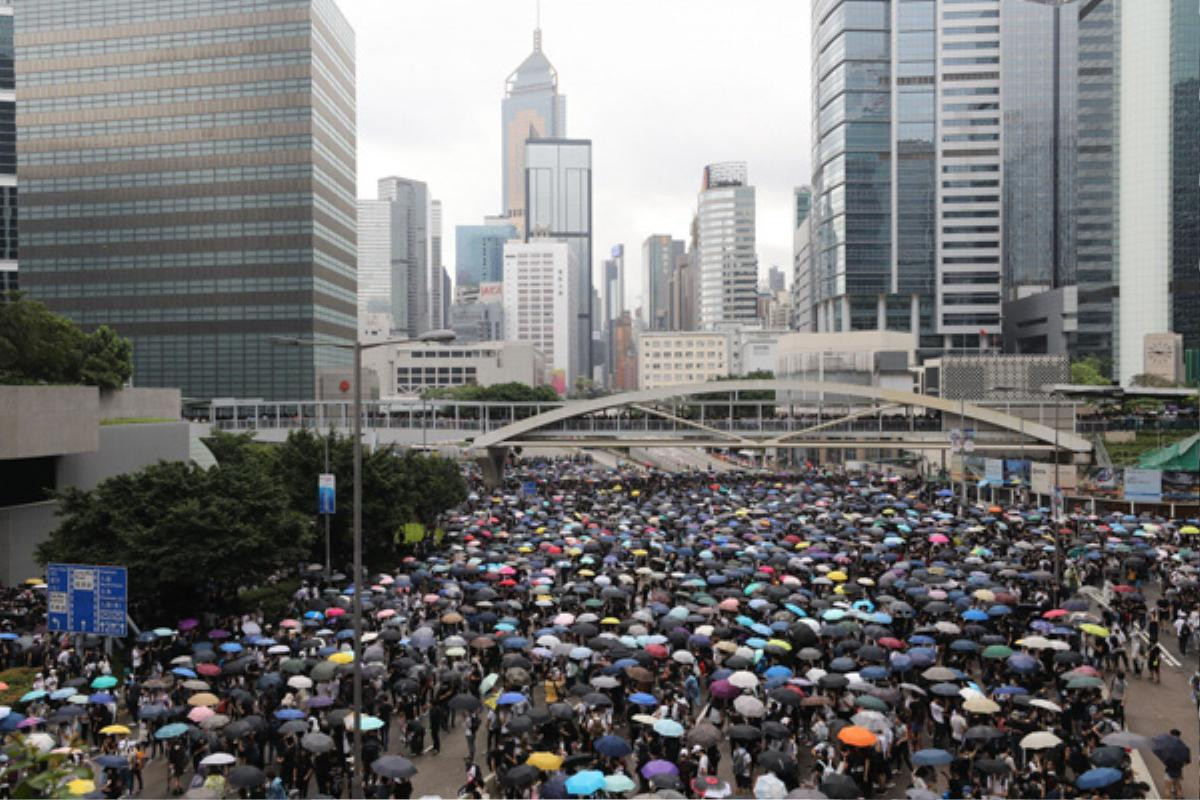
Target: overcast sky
(661, 87)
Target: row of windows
(169, 205)
(115, 127)
(451, 353)
(168, 151)
(164, 41)
(403, 373)
(179, 260)
(174, 232)
(257, 173)
(213, 286)
(178, 94)
(192, 66)
(53, 16)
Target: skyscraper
(614, 302)
(532, 108)
(1158, 244)
(394, 255)
(479, 253)
(558, 196)
(660, 256)
(906, 118)
(437, 295)
(539, 292)
(187, 177)
(802, 275)
(8, 155)
(728, 262)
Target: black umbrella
(776, 761)
(744, 733)
(464, 702)
(840, 787)
(1108, 756)
(1171, 750)
(317, 742)
(393, 767)
(246, 776)
(520, 776)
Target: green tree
(397, 488)
(1089, 371)
(38, 346)
(107, 359)
(512, 392)
(189, 537)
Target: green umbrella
(292, 666)
(870, 701)
(323, 671)
(997, 651)
(1084, 682)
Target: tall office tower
(187, 173)
(539, 291)
(906, 118)
(437, 296)
(802, 273)
(728, 277)
(614, 302)
(1039, 74)
(660, 255)
(412, 276)
(682, 293)
(532, 109)
(479, 253)
(776, 282)
(8, 156)
(1158, 244)
(1096, 192)
(558, 205)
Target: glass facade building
(532, 108)
(394, 253)
(660, 257)
(479, 253)
(188, 178)
(727, 260)
(558, 206)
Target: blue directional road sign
(327, 493)
(85, 598)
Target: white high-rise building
(540, 295)
(394, 258)
(728, 279)
(437, 297)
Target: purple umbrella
(218, 633)
(188, 624)
(723, 689)
(659, 767)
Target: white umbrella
(251, 629)
(278, 650)
(981, 705)
(1046, 704)
(749, 706)
(1040, 740)
(768, 787)
(743, 679)
(44, 742)
(300, 682)
(218, 760)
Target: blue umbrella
(589, 781)
(101, 697)
(669, 728)
(151, 711)
(183, 672)
(171, 731)
(231, 647)
(61, 694)
(511, 699)
(514, 643)
(975, 615)
(931, 757)
(9, 723)
(290, 713)
(1023, 662)
(29, 697)
(112, 761)
(612, 746)
(1098, 777)
(643, 699)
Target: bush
(274, 598)
(19, 680)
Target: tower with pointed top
(532, 109)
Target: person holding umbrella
(1175, 755)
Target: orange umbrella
(855, 736)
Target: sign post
(85, 598)
(327, 502)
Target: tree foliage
(398, 488)
(512, 392)
(1089, 371)
(188, 536)
(38, 346)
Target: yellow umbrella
(837, 575)
(1189, 530)
(610, 621)
(1094, 630)
(203, 699)
(639, 552)
(33, 581)
(547, 762)
(986, 595)
(81, 786)
(341, 657)
(586, 573)
(636, 493)
(780, 643)
(116, 730)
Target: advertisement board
(993, 471)
(1143, 485)
(1181, 486)
(491, 292)
(326, 493)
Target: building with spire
(532, 109)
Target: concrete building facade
(198, 199)
(674, 358)
(410, 368)
(540, 292)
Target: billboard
(1041, 478)
(491, 292)
(1103, 481)
(993, 471)
(1143, 485)
(1181, 485)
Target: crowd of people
(594, 633)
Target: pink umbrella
(30, 722)
(335, 612)
(290, 623)
(200, 713)
(728, 604)
(939, 538)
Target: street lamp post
(357, 347)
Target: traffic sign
(85, 598)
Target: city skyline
(647, 179)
